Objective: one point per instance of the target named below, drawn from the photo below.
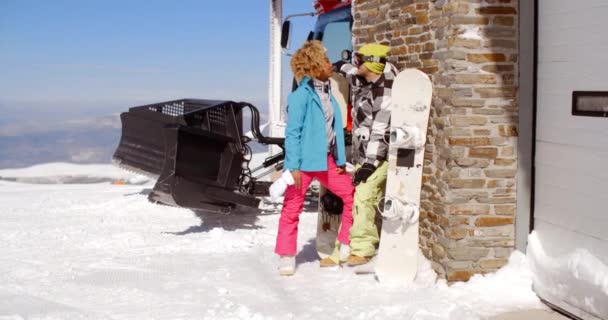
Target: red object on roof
(323, 6)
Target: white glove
(278, 187)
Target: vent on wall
(590, 103)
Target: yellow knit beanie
(375, 50)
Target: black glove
(337, 65)
(363, 173)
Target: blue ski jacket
(305, 136)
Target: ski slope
(102, 251)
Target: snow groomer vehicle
(197, 149)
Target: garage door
(569, 248)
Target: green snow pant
(364, 235)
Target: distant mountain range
(29, 142)
(77, 141)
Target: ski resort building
(518, 136)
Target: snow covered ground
(67, 173)
(102, 251)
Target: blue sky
(107, 55)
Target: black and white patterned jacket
(371, 113)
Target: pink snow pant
(339, 184)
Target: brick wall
(469, 48)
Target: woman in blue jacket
(314, 149)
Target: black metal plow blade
(196, 149)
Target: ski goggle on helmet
(359, 59)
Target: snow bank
(102, 251)
(511, 285)
(70, 173)
(578, 279)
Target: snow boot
(287, 265)
(342, 256)
(354, 260)
(327, 262)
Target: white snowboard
(396, 262)
(329, 225)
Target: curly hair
(309, 60)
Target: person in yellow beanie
(371, 78)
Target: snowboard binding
(395, 210)
(407, 136)
(332, 204)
